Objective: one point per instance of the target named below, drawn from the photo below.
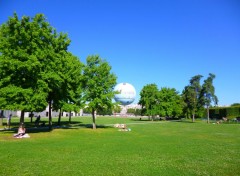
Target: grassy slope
(161, 148)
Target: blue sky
(165, 42)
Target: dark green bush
(228, 112)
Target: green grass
(158, 148)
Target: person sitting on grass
(21, 132)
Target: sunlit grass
(158, 148)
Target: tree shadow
(80, 125)
(182, 121)
(32, 128)
(140, 120)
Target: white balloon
(126, 95)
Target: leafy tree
(117, 108)
(104, 111)
(207, 95)
(191, 95)
(98, 84)
(131, 111)
(149, 100)
(70, 98)
(32, 55)
(170, 102)
(235, 104)
(137, 112)
(20, 68)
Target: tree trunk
(208, 121)
(50, 114)
(193, 117)
(70, 117)
(1, 118)
(59, 116)
(94, 119)
(22, 117)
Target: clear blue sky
(165, 42)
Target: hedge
(228, 112)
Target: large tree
(208, 93)
(170, 102)
(20, 85)
(191, 95)
(31, 61)
(149, 100)
(98, 85)
(70, 98)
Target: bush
(228, 112)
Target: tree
(207, 95)
(117, 108)
(149, 100)
(191, 94)
(70, 98)
(104, 111)
(31, 60)
(98, 84)
(170, 102)
(20, 85)
(235, 104)
(131, 111)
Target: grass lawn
(150, 148)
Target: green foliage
(22, 50)
(208, 91)
(149, 100)
(207, 95)
(117, 108)
(87, 110)
(191, 97)
(197, 96)
(98, 84)
(170, 103)
(70, 98)
(165, 102)
(235, 104)
(104, 111)
(131, 111)
(228, 112)
(136, 112)
(35, 67)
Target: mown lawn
(150, 148)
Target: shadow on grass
(31, 128)
(156, 120)
(183, 121)
(80, 125)
(140, 120)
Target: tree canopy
(191, 96)
(208, 93)
(98, 85)
(149, 100)
(170, 103)
(165, 102)
(35, 67)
